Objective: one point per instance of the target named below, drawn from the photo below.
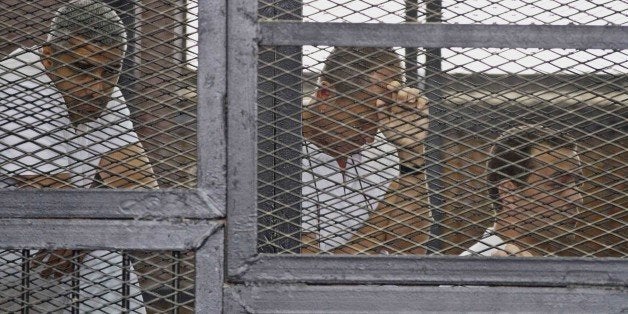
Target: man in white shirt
(355, 201)
(65, 123)
(533, 173)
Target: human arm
(404, 119)
(400, 223)
(512, 250)
(128, 168)
(55, 181)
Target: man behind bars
(533, 175)
(355, 201)
(64, 123)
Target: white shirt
(336, 203)
(36, 137)
(35, 132)
(489, 245)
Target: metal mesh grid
(555, 12)
(63, 281)
(81, 112)
(146, 136)
(313, 201)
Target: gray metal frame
(404, 299)
(229, 34)
(274, 276)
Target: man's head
(83, 56)
(353, 78)
(533, 174)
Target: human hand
(56, 263)
(512, 250)
(404, 122)
(38, 181)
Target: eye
(110, 71)
(83, 65)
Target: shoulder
(486, 246)
(22, 62)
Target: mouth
(85, 107)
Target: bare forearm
(57, 181)
(128, 168)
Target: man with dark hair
(533, 173)
(355, 201)
(343, 111)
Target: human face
(85, 75)
(547, 204)
(347, 122)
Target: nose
(368, 138)
(96, 87)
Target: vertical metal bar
(176, 281)
(266, 146)
(241, 134)
(212, 93)
(434, 142)
(26, 281)
(411, 53)
(280, 141)
(126, 282)
(209, 274)
(76, 283)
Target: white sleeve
(32, 139)
(114, 130)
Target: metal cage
(217, 89)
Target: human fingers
(383, 109)
(403, 96)
(393, 87)
(63, 268)
(407, 95)
(50, 265)
(38, 259)
(57, 264)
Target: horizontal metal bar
(399, 299)
(101, 203)
(428, 270)
(435, 35)
(105, 234)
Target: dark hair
(511, 155)
(347, 68)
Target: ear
(507, 189)
(46, 59)
(324, 92)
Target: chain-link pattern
(384, 156)
(39, 281)
(156, 100)
(555, 12)
(141, 136)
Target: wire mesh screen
(64, 281)
(98, 97)
(556, 12)
(455, 151)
